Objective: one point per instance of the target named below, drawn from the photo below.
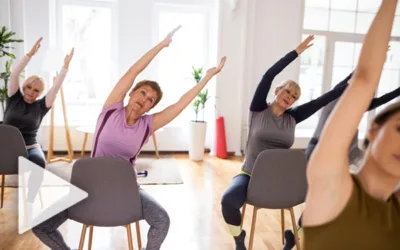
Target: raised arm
(167, 115)
(330, 183)
(52, 93)
(376, 102)
(125, 83)
(13, 84)
(259, 101)
(302, 112)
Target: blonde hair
(292, 86)
(35, 80)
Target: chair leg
(84, 144)
(82, 240)
(90, 237)
(283, 225)
(253, 225)
(155, 145)
(243, 211)
(129, 232)
(139, 238)
(296, 235)
(2, 189)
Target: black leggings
(36, 156)
(234, 198)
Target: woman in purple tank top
(122, 131)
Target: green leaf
(9, 54)
(3, 29)
(8, 35)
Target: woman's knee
(163, 220)
(227, 199)
(38, 160)
(232, 199)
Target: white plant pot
(197, 139)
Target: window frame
(109, 4)
(206, 10)
(331, 37)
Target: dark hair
(152, 84)
(383, 117)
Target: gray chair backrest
(12, 145)
(113, 194)
(278, 179)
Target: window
(339, 27)
(348, 16)
(88, 26)
(311, 75)
(190, 47)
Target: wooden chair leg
(155, 145)
(90, 237)
(129, 232)
(243, 211)
(296, 235)
(2, 189)
(51, 134)
(283, 225)
(84, 144)
(83, 234)
(139, 238)
(66, 127)
(253, 225)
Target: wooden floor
(194, 208)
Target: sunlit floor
(194, 208)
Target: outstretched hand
(305, 44)
(35, 47)
(215, 70)
(168, 39)
(68, 58)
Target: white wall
(253, 37)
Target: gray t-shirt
(27, 117)
(267, 131)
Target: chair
(12, 146)
(113, 198)
(278, 181)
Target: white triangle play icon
(42, 194)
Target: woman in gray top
(25, 109)
(271, 126)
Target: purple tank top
(113, 137)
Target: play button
(42, 194)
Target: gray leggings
(153, 213)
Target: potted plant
(198, 127)
(6, 41)
(5, 76)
